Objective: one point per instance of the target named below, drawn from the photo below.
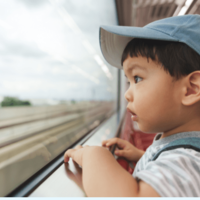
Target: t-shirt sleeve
(175, 173)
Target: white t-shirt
(175, 173)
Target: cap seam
(180, 27)
(162, 32)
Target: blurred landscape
(31, 136)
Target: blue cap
(113, 39)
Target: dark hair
(176, 58)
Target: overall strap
(188, 143)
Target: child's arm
(126, 149)
(104, 177)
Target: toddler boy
(162, 64)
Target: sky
(49, 49)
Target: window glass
(55, 85)
(124, 88)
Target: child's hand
(76, 154)
(126, 149)
(75, 176)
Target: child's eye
(137, 79)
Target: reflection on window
(54, 84)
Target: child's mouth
(133, 115)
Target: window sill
(66, 180)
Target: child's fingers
(68, 154)
(104, 143)
(120, 143)
(78, 147)
(121, 153)
(74, 153)
(107, 143)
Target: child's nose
(128, 95)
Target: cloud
(34, 3)
(39, 49)
(20, 49)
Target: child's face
(152, 95)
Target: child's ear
(191, 89)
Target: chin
(148, 130)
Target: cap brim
(113, 40)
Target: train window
(55, 85)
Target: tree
(12, 101)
